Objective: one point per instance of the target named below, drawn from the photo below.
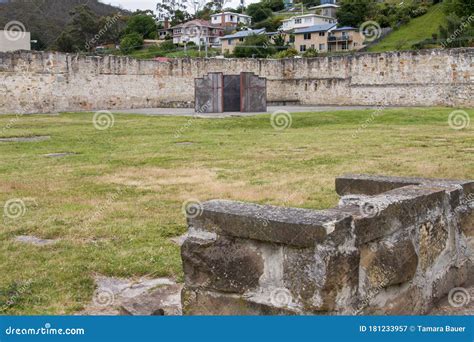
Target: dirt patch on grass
(201, 183)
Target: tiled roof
(315, 28)
(344, 28)
(243, 34)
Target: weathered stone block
(323, 279)
(373, 185)
(433, 238)
(226, 265)
(391, 211)
(396, 252)
(387, 263)
(208, 303)
(291, 226)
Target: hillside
(46, 19)
(416, 30)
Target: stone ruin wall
(34, 82)
(391, 246)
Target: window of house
(307, 36)
(322, 34)
(302, 48)
(292, 39)
(229, 41)
(312, 46)
(231, 18)
(321, 47)
(298, 21)
(344, 45)
(241, 39)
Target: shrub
(291, 52)
(167, 46)
(131, 42)
(311, 52)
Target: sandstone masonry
(391, 246)
(35, 82)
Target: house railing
(339, 38)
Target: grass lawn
(417, 30)
(117, 202)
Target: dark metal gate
(253, 90)
(208, 93)
(231, 93)
(216, 93)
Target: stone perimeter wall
(33, 82)
(391, 246)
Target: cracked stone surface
(26, 139)
(179, 240)
(465, 307)
(33, 240)
(143, 296)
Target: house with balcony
(198, 31)
(327, 38)
(315, 37)
(344, 39)
(305, 20)
(230, 19)
(230, 41)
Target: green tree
(355, 12)
(65, 42)
(258, 12)
(258, 46)
(310, 3)
(457, 32)
(274, 5)
(82, 28)
(130, 42)
(462, 8)
(271, 24)
(143, 24)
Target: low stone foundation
(391, 246)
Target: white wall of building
(306, 21)
(14, 40)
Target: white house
(230, 19)
(327, 10)
(14, 40)
(306, 20)
(198, 31)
